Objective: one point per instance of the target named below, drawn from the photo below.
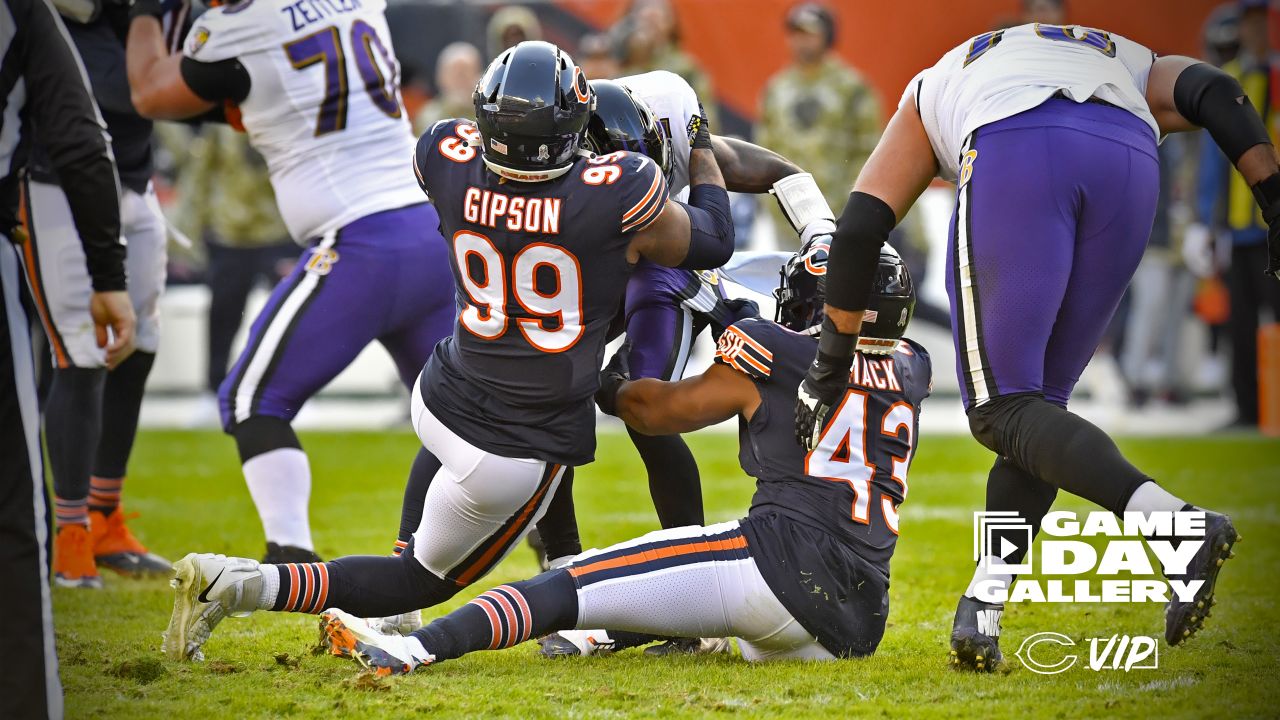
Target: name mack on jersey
(304, 12)
(518, 214)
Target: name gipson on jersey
(517, 214)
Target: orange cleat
(73, 564)
(115, 547)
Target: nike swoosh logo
(204, 595)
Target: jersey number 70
(325, 46)
(841, 454)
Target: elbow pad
(1215, 101)
(863, 228)
(710, 228)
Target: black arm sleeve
(1215, 101)
(216, 81)
(67, 126)
(855, 250)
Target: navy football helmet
(532, 107)
(802, 291)
(622, 121)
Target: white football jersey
(323, 106)
(1000, 74)
(674, 104)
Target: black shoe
(534, 538)
(1184, 619)
(975, 635)
(689, 646)
(281, 554)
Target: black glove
(1267, 193)
(614, 374)
(146, 8)
(824, 384)
(702, 131)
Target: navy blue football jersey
(823, 524)
(540, 270)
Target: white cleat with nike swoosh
(208, 588)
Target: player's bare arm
(1185, 94)
(697, 236)
(655, 407)
(155, 77)
(749, 168)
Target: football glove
(614, 374)
(1267, 193)
(702, 133)
(823, 384)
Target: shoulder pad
(642, 189)
(744, 346)
(228, 31)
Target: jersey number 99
(485, 316)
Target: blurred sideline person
(1224, 192)
(374, 267)
(508, 27)
(91, 415)
(1028, 315)
(596, 57)
(46, 87)
(1048, 12)
(804, 576)
(504, 407)
(457, 70)
(225, 199)
(652, 30)
(818, 111)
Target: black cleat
(281, 554)
(688, 646)
(975, 636)
(1184, 619)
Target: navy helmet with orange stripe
(532, 107)
(802, 291)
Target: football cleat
(575, 643)
(1184, 619)
(73, 564)
(208, 588)
(689, 646)
(402, 624)
(975, 636)
(347, 636)
(115, 547)
(285, 554)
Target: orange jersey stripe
(653, 189)
(732, 543)
(752, 342)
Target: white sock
(280, 483)
(417, 651)
(1150, 498)
(270, 587)
(983, 574)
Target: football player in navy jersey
(832, 511)
(542, 239)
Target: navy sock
(673, 478)
(504, 616)
(424, 468)
(364, 585)
(558, 527)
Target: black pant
(1250, 291)
(29, 685)
(231, 275)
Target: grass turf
(188, 489)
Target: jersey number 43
(555, 310)
(841, 454)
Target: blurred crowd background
(815, 81)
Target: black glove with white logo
(824, 384)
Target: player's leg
(688, 581)
(314, 324)
(425, 304)
(29, 686)
(114, 545)
(55, 267)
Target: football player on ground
(805, 575)
(543, 238)
(667, 308)
(1050, 135)
(91, 412)
(315, 86)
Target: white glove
(1197, 250)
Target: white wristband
(801, 200)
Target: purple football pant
(660, 328)
(384, 277)
(1047, 233)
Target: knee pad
(991, 421)
(263, 433)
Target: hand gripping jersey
(823, 525)
(540, 270)
(674, 104)
(1000, 74)
(323, 106)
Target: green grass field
(188, 489)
